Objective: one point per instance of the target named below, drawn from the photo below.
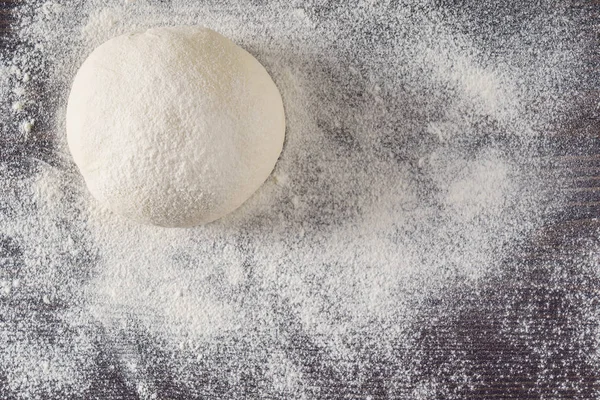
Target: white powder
(409, 172)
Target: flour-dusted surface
(410, 243)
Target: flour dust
(409, 178)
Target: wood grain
(547, 285)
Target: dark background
(546, 285)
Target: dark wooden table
(546, 285)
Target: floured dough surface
(174, 126)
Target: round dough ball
(174, 126)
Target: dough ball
(174, 126)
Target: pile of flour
(409, 175)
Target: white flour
(408, 173)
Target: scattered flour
(410, 171)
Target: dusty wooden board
(544, 284)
